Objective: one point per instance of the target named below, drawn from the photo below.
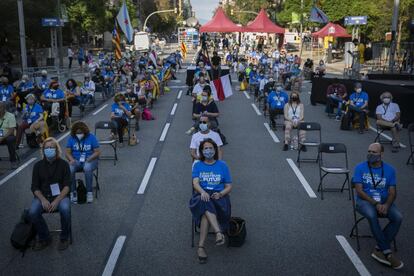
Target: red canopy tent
(331, 29)
(220, 23)
(262, 24)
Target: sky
(204, 9)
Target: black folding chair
(380, 131)
(358, 218)
(314, 143)
(410, 129)
(326, 169)
(96, 176)
(105, 126)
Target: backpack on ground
(147, 115)
(81, 192)
(23, 233)
(31, 140)
(346, 122)
(237, 232)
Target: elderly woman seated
(210, 203)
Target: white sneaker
(74, 197)
(89, 197)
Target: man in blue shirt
(375, 185)
(6, 92)
(43, 83)
(23, 89)
(276, 101)
(358, 104)
(254, 80)
(82, 152)
(108, 75)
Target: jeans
(335, 100)
(273, 112)
(383, 236)
(86, 99)
(120, 124)
(35, 215)
(362, 114)
(88, 168)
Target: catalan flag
(183, 49)
(116, 40)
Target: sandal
(202, 259)
(220, 239)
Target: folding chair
(357, 219)
(380, 131)
(315, 142)
(410, 129)
(96, 176)
(56, 211)
(107, 125)
(325, 169)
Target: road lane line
(360, 267)
(113, 258)
(247, 95)
(100, 109)
(179, 94)
(272, 134)
(176, 81)
(164, 132)
(256, 109)
(16, 171)
(173, 109)
(301, 178)
(385, 136)
(147, 176)
(178, 86)
(63, 136)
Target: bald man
(375, 185)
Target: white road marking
(247, 95)
(234, 81)
(176, 81)
(164, 132)
(179, 94)
(360, 267)
(178, 86)
(147, 176)
(301, 178)
(113, 258)
(16, 171)
(385, 136)
(100, 109)
(256, 109)
(174, 108)
(272, 134)
(63, 136)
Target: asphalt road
(130, 230)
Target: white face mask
(203, 127)
(80, 136)
(358, 90)
(386, 100)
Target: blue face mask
(50, 153)
(209, 153)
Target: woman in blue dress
(210, 203)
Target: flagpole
(301, 28)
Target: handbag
(237, 232)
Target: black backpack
(81, 192)
(31, 140)
(346, 122)
(237, 232)
(23, 233)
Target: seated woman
(207, 107)
(82, 152)
(133, 100)
(210, 203)
(73, 95)
(32, 119)
(53, 97)
(320, 69)
(294, 115)
(121, 111)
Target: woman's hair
(73, 81)
(200, 149)
(79, 125)
(291, 95)
(386, 94)
(56, 144)
(207, 89)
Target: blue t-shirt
(253, 77)
(54, 94)
(44, 84)
(33, 113)
(212, 177)
(359, 99)
(277, 100)
(362, 175)
(6, 92)
(86, 146)
(26, 86)
(120, 112)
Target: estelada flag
(116, 40)
(183, 49)
(221, 88)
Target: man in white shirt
(70, 57)
(87, 92)
(203, 134)
(198, 88)
(388, 117)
